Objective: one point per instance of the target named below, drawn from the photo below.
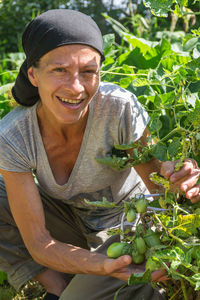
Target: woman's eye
(60, 70)
(90, 72)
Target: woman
(66, 118)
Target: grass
(31, 291)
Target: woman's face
(67, 78)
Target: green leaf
(170, 254)
(103, 203)
(192, 98)
(192, 219)
(194, 117)
(140, 82)
(125, 82)
(125, 146)
(182, 2)
(160, 152)
(196, 31)
(108, 42)
(197, 286)
(175, 264)
(167, 98)
(194, 87)
(156, 125)
(196, 51)
(3, 277)
(159, 8)
(140, 43)
(113, 161)
(168, 64)
(158, 101)
(196, 276)
(190, 44)
(143, 56)
(188, 256)
(117, 26)
(140, 278)
(174, 147)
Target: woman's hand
(185, 179)
(122, 268)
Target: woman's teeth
(70, 100)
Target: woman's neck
(48, 124)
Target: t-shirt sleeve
(13, 157)
(133, 122)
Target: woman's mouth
(70, 102)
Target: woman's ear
(32, 76)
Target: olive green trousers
(63, 225)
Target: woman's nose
(75, 84)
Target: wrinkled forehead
(68, 55)
(59, 27)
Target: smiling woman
(76, 28)
(67, 78)
(66, 119)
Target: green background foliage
(152, 48)
(15, 14)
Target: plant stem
(175, 294)
(183, 210)
(184, 290)
(121, 74)
(178, 129)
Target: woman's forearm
(67, 258)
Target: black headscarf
(52, 29)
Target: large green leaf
(159, 8)
(190, 44)
(142, 44)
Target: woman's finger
(159, 275)
(188, 169)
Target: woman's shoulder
(16, 117)
(114, 101)
(116, 93)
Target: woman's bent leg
(15, 259)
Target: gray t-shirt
(115, 116)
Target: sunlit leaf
(159, 8)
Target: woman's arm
(145, 169)
(185, 179)
(27, 209)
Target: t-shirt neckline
(81, 152)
